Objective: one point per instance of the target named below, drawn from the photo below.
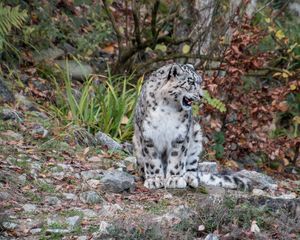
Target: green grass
(107, 106)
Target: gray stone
(9, 225)
(209, 167)
(130, 159)
(82, 238)
(48, 54)
(73, 222)
(70, 196)
(60, 231)
(12, 136)
(35, 230)
(211, 236)
(118, 181)
(89, 213)
(52, 200)
(104, 226)
(39, 130)
(22, 179)
(4, 196)
(91, 174)
(77, 71)
(104, 140)
(6, 95)
(29, 207)
(24, 102)
(91, 197)
(10, 114)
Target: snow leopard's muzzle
(189, 99)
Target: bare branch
(154, 19)
(113, 22)
(136, 20)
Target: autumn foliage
(252, 113)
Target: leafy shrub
(9, 17)
(107, 106)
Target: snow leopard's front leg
(195, 148)
(176, 166)
(153, 168)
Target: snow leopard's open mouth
(187, 102)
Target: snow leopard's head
(182, 85)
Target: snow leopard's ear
(174, 71)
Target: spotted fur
(167, 140)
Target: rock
(130, 159)
(48, 54)
(35, 230)
(91, 174)
(260, 180)
(73, 222)
(22, 179)
(24, 102)
(52, 200)
(211, 236)
(9, 225)
(12, 136)
(29, 207)
(83, 137)
(4, 196)
(82, 238)
(89, 213)
(77, 71)
(38, 131)
(93, 183)
(70, 196)
(68, 48)
(118, 181)
(6, 95)
(109, 210)
(208, 167)
(35, 169)
(59, 231)
(104, 140)
(10, 114)
(91, 197)
(103, 227)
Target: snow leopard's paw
(154, 182)
(175, 182)
(192, 179)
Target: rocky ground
(52, 188)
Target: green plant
(9, 17)
(216, 103)
(108, 106)
(219, 140)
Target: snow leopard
(167, 139)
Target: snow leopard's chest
(164, 126)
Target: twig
(136, 20)
(113, 22)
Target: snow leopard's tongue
(187, 101)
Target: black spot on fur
(146, 150)
(172, 173)
(182, 148)
(195, 133)
(212, 178)
(227, 179)
(157, 171)
(174, 154)
(176, 166)
(192, 170)
(147, 165)
(154, 155)
(194, 162)
(152, 166)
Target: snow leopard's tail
(231, 181)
